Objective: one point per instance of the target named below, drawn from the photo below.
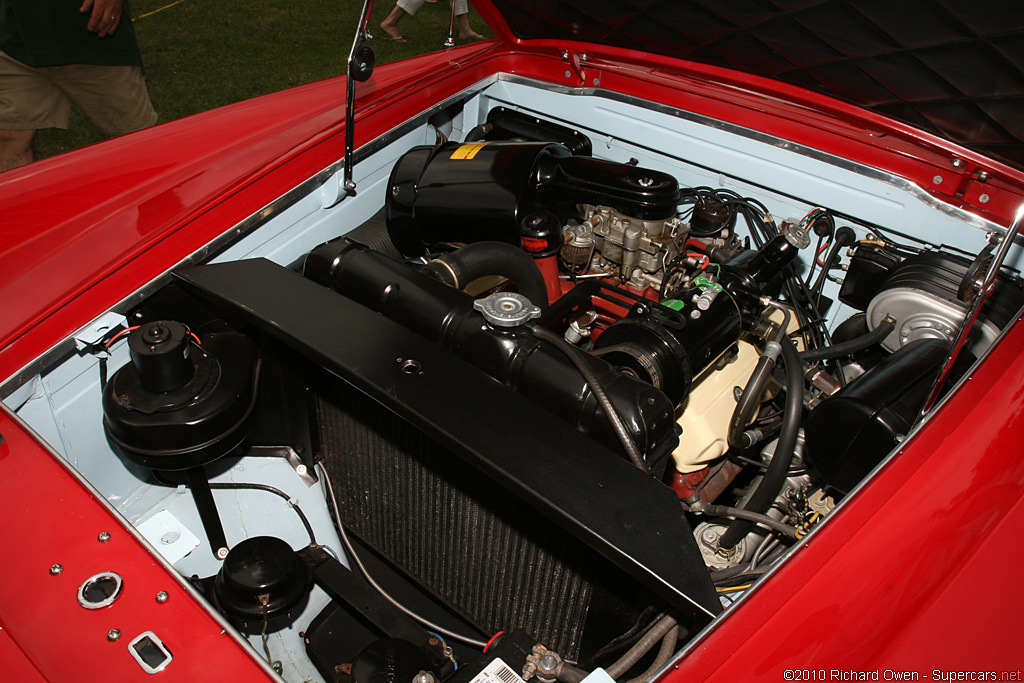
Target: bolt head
(956, 163)
(56, 569)
(709, 536)
(103, 537)
(161, 597)
(982, 176)
(113, 634)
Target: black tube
(374, 234)
(778, 469)
(748, 516)
(844, 236)
(472, 261)
(276, 492)
(479, 132)
(845, 348)
(571, 674)
(647, 619)
(749, 400)
(618, 425)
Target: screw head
(982, 176)
(956, 163)
(103, 537)
(984, 199)
(937, 180)
(161, 597)
(113, 634)
(222, 553)
(300, 469)
(56, 569)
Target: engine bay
(561, 409)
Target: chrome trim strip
(779, 143)
(240, 230)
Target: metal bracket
(576, 61)
(306, 472)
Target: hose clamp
(772, 349)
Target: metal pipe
(986, 289)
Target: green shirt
(53, 32)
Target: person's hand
(104, 15)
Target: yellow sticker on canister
(468, 151)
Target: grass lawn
(201, 54)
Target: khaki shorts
(113, 97)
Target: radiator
(456, 532)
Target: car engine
(553, 396)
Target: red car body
(915, 572)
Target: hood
(949, 67)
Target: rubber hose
(845, 348)
(748, 516)
(374, 234)
(479, 132)
(668, 648)
(472, 261)
(648, 618)
(618, 424)
(778, 469)
(571, 674)
(844, 236)
(642, 647)
(749, 401)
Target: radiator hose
(460, 267)
(845, 348)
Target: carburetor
(630, 243)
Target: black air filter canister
(477, 191)
(498, 563)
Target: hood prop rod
(450, 40)
(359, 67)
(984, 290)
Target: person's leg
(402, 8)
(29, 100)
(15, 148)
(466, 31)
(114, 98)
